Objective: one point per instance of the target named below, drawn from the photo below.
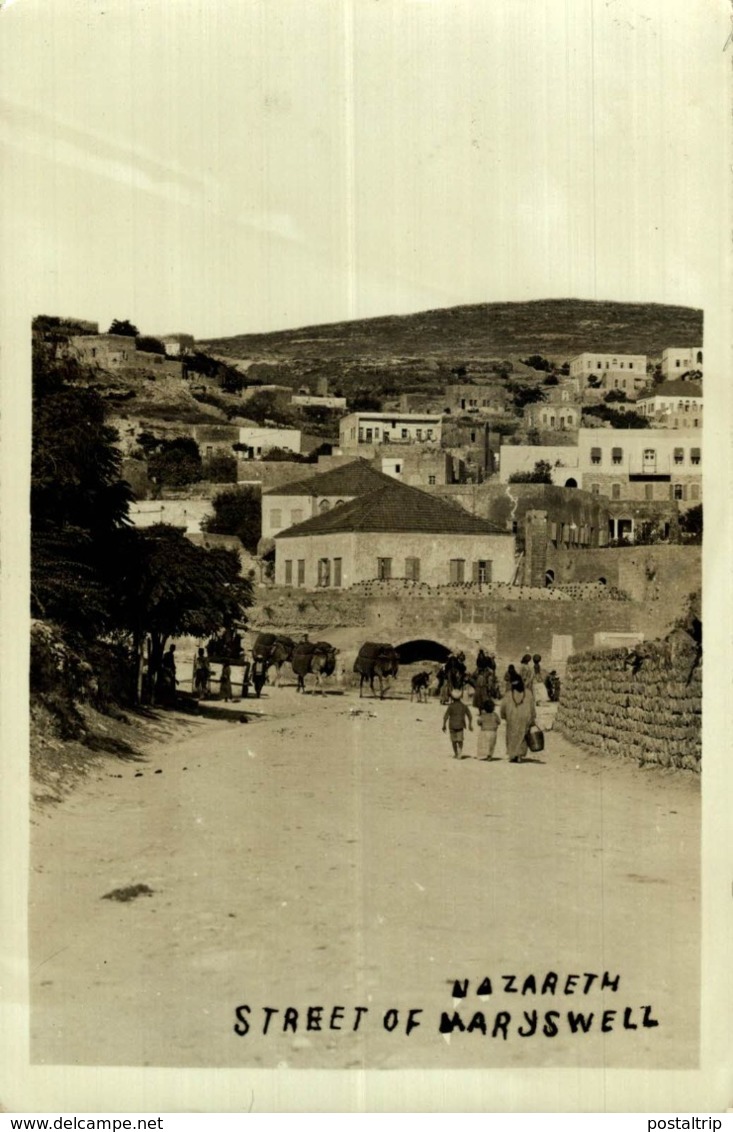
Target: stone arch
(410, 652)
(549, 578)
(324, 506)
(603, 581)
(571, 482)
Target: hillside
(555, 328)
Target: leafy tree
(615, 418)
(150, 345)
(565, 369)
(284, 455)
(525, 394)
(237, 512)
(542, 473)
(615, 395)
(220, 468)
(551, 379)
(78, 500)
(176, 462)
(125, 327)
(364, 402)
(691, 525)
(168, 587)
(267, 405)
(536, 361)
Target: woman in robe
(518, 709)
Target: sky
(248, 165)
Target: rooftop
(351, 479)
(393, 508)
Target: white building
(324, 402)
(673, 404)
(260, 440)
(677, 360)
(591, 367)
(366, 428)
(655, 464)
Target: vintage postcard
(364, 659)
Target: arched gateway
(411, 652)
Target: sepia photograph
(356, 552)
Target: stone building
(591, 366)
(419, 467)
(258, 440)
(470, 397)
(562, 416)
(115, 352)
(393, 532)
(294, 502)
(176, 345)
(366, 429)
(673, 404)
(677, 360)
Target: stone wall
(646, 573)
(644, 705)
(512, 621)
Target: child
(488, 722)
(225, 685)
(455, 715)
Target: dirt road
(332, 854)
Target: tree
(615, 418)
(78, 500)
(525, 394)
(536, 361)
(615, 395)
(542, 473)
(284, 455)
(220, 468)
(551, 379)
(150, 345)
(168, 587)
(691, 525)
(124, 327)
(364, 402)
(237, 512)
(176, 462)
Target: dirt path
(319, 857)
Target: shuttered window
(694, 455)
(288, 571)
(617, 455)
(595, 455)
(457, 571)
(412, 569)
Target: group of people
(523, 689)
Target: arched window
(699, 357)
(324, 506)
(549, 577)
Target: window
(398, 469)
(339, 503)
(324, 571)
(276, 519)
(595, 489)
(368, 435)
(324, 506)
(431, 480)
(209, 451)
(482, 572)
(631, 365)
(361, 435)
(679, 456)
(418, 433)
(473, 436)
(429, 434)
(615, 491)
(648, 490)
(695, 491)
(677, 363)
(403, 434)
(457, 570)
(678, 491)
(337, 571)
(694, 455)
(696, 422)
(301, 571)
(288, 571)
(384, 569)
(296, 516)
(650, 455)
(595, 455)
(552, 420)
(617, 455)
(412, 569)
(600, 365)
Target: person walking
(488, 725)
(456, 716)
(225, 684)
(201, 674)
(539, 691)
(510, 674)
(168, 679)
(526, 671)
(518, 709)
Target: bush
(220, 469)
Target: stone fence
(643, 704)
